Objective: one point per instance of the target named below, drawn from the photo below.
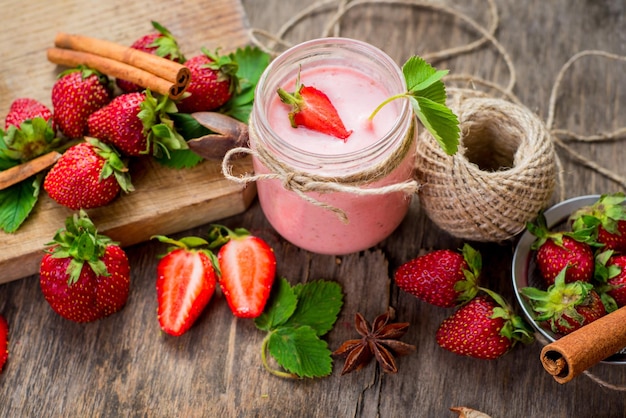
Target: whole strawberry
(213, 82)
(77, 94)
(186, 281)
(25, 108)
(443, 278)
(312, 109)
(556, 250)
(84, 276)
(137, 124)
(617, 282)
(162, 44)
(4, 342)
(483, 328)
(564, 306)
(88, 175)
(607, 218)
(610, 274)
(30, 130)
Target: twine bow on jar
(304, 183)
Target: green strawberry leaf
(280, 307)
(180, 159)
(17, 202)
(252, 62)
(427, 95)
(300, 351)
(440, 122)
(188, 126)
(419, 76)
(319, 304)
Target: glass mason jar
(338, 202)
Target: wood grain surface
(125, 366)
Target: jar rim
(315, 50)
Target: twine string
(302, 183)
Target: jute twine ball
(503, 174)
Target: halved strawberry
(4, 341)
(313, 109)
(185, 283)
(247, 268)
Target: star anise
(379, 340)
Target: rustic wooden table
(125, 366)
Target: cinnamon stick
(142, 68)
(574, 353)
(20, 172)
(115, 69)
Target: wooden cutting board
(165, 201)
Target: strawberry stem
(388, 100)
(279, 373)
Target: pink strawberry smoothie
(371, 218)
(354, 95)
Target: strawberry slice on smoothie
(312, 109)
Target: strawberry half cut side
(186, 282)
(312, 109)
(247, 267)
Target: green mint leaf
(17, 202)
(319, 303)
(280, 306)
(440, 121)
(300, 351)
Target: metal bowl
(525, 272)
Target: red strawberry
(313, 109)
(556, 250)
(77, 94)
(565, 307)
(608, 217)
(247, 267)
(23, 109)
(617, 282)
(213, 82)
(610, 273)
(88, 175)
(442, 278)
(483, 328)
(137, 124)
(30, 130)
(162, 44)
(185, 284)
(84, 275)
(4, 342)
